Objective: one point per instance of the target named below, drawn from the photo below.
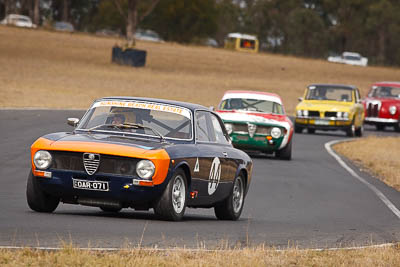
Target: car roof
(333, 85)
(187, 105)
(242, 36)
(394, 84)
(260, 95)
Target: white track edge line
(381, 196)
(194, 249)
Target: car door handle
(225, 154)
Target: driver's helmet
(117, 118)
(236, 103)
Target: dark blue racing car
(141, 153)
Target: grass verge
(379, 156)
(68, 256)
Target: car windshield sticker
(143, 105)
(215, 176)
(196, 167)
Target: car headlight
(145, 169)
(339, 114)
(229, 127)
(42, 159)
(276, 132)
(345, 115)
(305, 113)
(299, 113)
(392, 110)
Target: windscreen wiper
(128, 125)
(114, 126)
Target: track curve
(309, 202)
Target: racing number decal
(215, 176)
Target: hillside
(58, 70)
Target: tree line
(307, 28)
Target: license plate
(321, 122)
(90, 185)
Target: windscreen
(255, 105)
(330, 93)
(144, 118)
(386, 91)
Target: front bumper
(121, 189)
(375, 120)
(256, 143)
(323, 123)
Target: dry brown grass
(380, 156)
(386, 256)
(50, 69)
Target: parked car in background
(18, 20)
(256, 121)
(330, 107)
(63, 26)
(147, 35)
(350, 58)
(242, 42)
(382, 105)
(141, 153)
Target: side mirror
(300, 99)
(72, 121)
(211, 108)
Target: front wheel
(298, 129)
(286, 152)
(231, 208)
(172, 204)
(351, 131)
(37, 199)
(359, 131)
(397, 126)
(310, 130)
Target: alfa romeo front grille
(73, 161)
(91, 162)
(373, 110)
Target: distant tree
(383, 25)
(131, 16)
(184, 20)
(306, 34)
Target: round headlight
(42, 159)
(392, 110)
(145, 169)
(299, 113)
(305, 113)
(276, 132)
(229, 127)
(345, 115)
(339, 114)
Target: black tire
(380, 127)
(231, 208)
(397, 126)
(109, 209)
(286, 152)
(37, 199)
(164, 207)
(298, 129)
(351, 131)
(310, 130)
(359, 131)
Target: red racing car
(382, 105)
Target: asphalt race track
(309, 202)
